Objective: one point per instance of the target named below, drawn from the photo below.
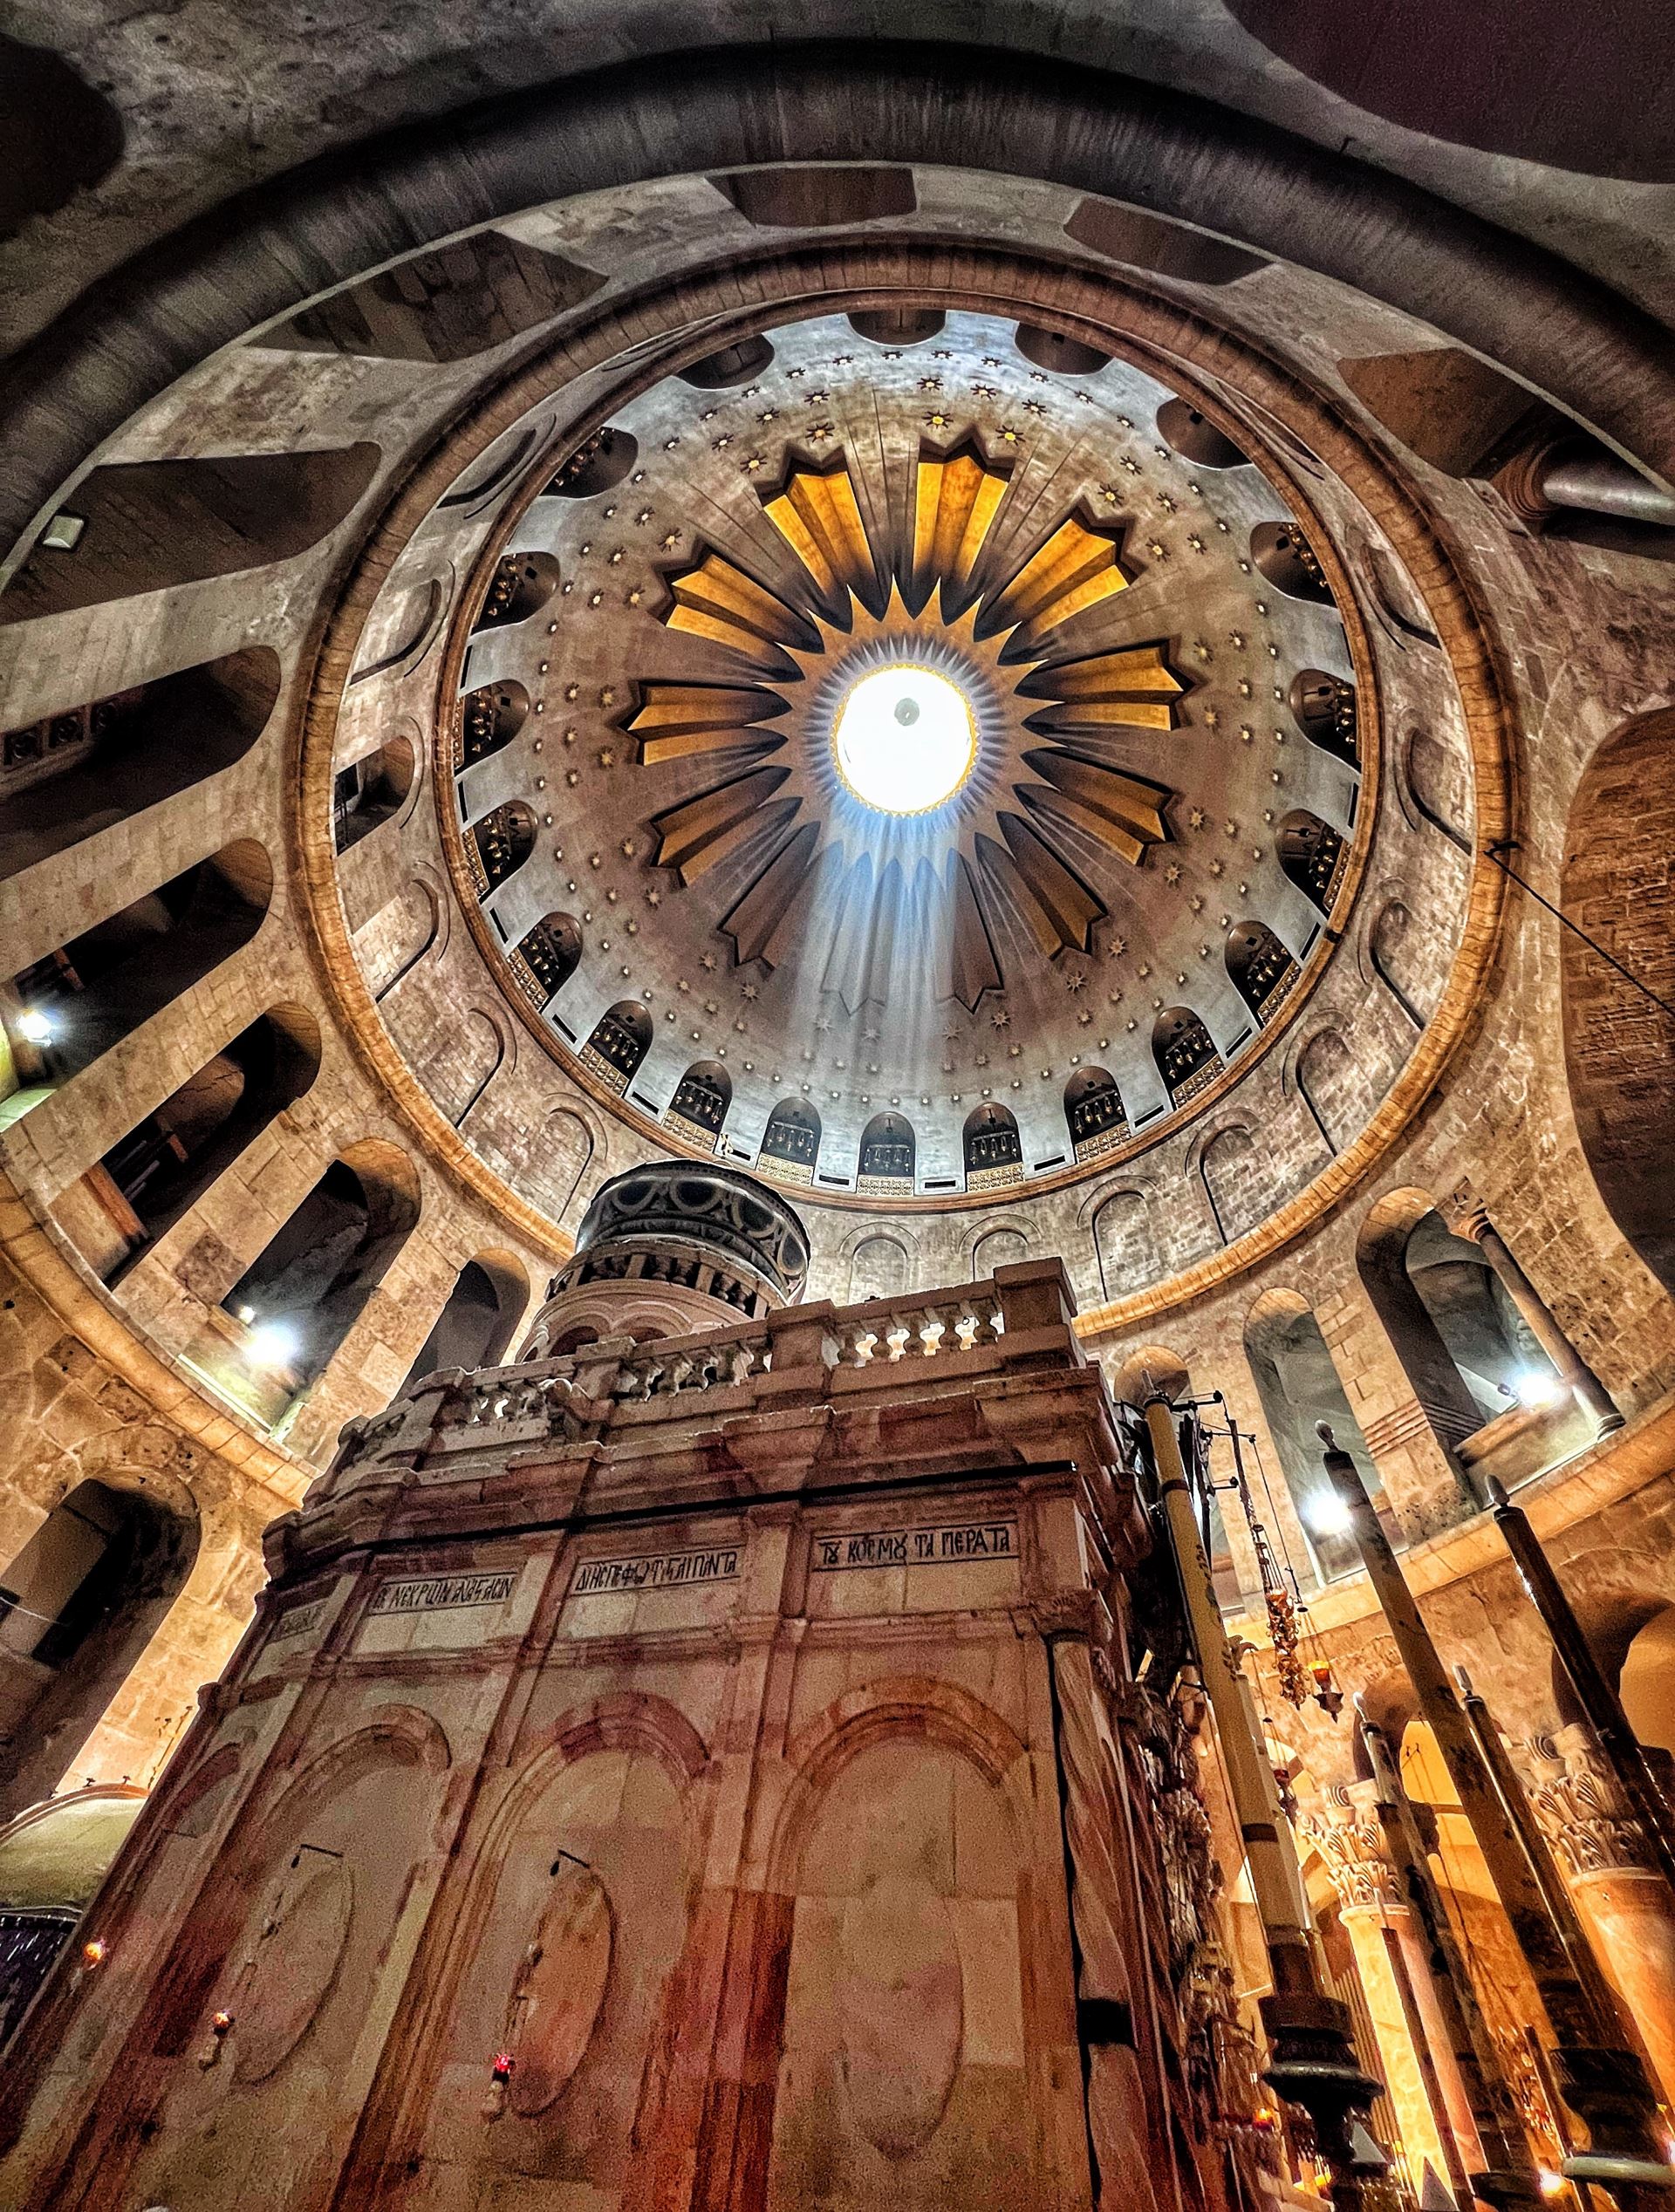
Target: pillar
(1626, 1906)
(1414, 2058)
(1467, 1218)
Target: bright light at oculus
(903, 740)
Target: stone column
(1413, 2053)
(1467, 1217)
(1625, 1904)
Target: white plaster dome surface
(904, 739)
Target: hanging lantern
(93, 1955)
(1328, 1695)
(500, 2074)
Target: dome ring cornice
(273, 250)
(1184, 347)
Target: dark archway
(81, 1601)
(499, 844)
(700, 1104)
(1185, 1052)
(790, 1143)
(370, 790)
(1298, 1383)
(1312, 856)
(1260, 968)
(489, 1297)
(490, 718)
(547, 957)
(521, 585)
(993, 1149)
(1094, 1113)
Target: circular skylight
(904, 739)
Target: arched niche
(1324, 707)
(620, 1040)
(147, 525)
(888, 1161)
(1312, 856)
(1618, 1042)
(167, 1161)
(490, 717)
(1439, 786)
(992, 1148)
(1391, 947)
(1327, 1079)
(790, 1143)
(1060, 356)
(370, 790)
(1196, 439)
(82, 1599)
(700, 1104)
(521, 585)
(489, 1297)
(1449, 1321)
(1260, 968)
(396, 937)
(72, 1006)
(898, 325)
(1281, 553)
(498, 845)
(546, 957)
(598, 465)
(1299, 1386)
(729, 366)
(52, 1858)
(72, 774)
(1094, 1114)
(1126, 1244)
(1236, 1174)
(997, 1249)
(1185, 1052)
(309, 1285)
(878, 1267)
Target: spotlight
(1538, 1387)
(1551, 2184)
(1327, 1515)
(36, 1028)
(274, 1344)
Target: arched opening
(1094, 1113)
(370, 790)
(52, 1858)
(302, 1295)
(1470, 1358)
(72, 775)
(993, 1152)
(621, 1039)
(490, 718)
(899, 325)
(1195, 437)
(156, 1173)
(1298, 1383)
(729, 366)
(1185, 1052)
(1324, 707)
(79, 1604)
(75, 1003)
(1283, 555)
(599, 464)
(1313, 856)
(148, 524)
(997, 1249)
(878, 1267)
(546, 958)
(474, 1329)
(521, 585)
(790, 1143)
(700, 1104)
(887, 1162)
(1618, 1041)
(499, 844)
(1260, 968)
(1063, 356)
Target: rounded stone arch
(412, 926)
(881, 1264)
(1228, 1162)
(1298, 1385)
(1618, 1040)
(120, 1546)
(916, 1706)
(1010, 1244)
(481, 1315)
(493, 1053)
(555, 1178)
(1123, 1231)
(1322, 1070)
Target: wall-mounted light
(1327, 1515)
(36, 1028)
(1537, 1388)
(273, 1344)
(93, 1955)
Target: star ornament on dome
(808, 734)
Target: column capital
(1350, 1841)
(1583, 1813)
(1466, 1213)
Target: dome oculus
(904, 739)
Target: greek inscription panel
(654, 1571)
(443, 1592)
(945, 1543)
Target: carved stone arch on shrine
(575, 1916)
(886, 2040)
